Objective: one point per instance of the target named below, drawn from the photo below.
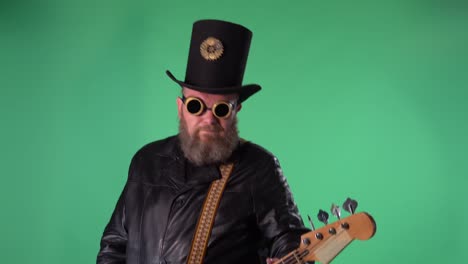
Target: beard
(214, 149)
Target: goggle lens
(222, 110)
(194, 107)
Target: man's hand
(271, 260)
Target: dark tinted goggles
(196, 106)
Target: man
(158, 212)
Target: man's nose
(209, 117)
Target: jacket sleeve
(277, 215)
(114, 238)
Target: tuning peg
(335, 210)
(322, 216)
(311, 223)
(350, 205)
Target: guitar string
(291, 259)
(338, 244)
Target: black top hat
(217, 59)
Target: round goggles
(197, 107)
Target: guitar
(325, 243)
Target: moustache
(210, 128)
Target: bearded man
(158, 217)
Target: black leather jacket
(156, 214)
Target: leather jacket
(156, 215)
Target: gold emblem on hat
(211, 49)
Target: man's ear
(239, 107)
(180, 104)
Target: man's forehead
(190, 92)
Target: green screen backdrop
(362, 99)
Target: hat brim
(244, 91)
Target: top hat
(217, 59)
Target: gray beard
(215, 151)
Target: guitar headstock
(325, 243)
